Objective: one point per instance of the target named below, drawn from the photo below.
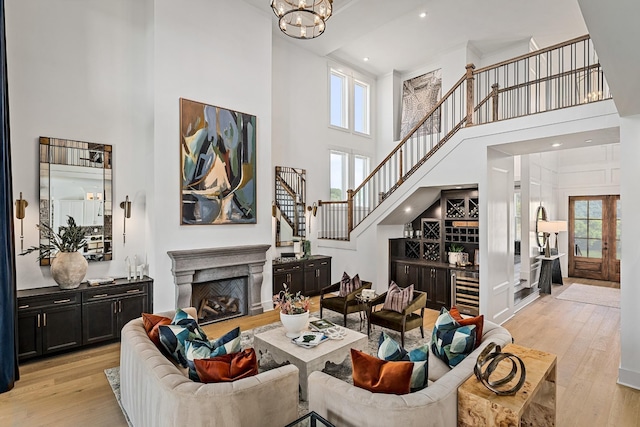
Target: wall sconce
(313, 209)
(21, 205)
(126, 205)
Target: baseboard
(629, 378)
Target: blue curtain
(8, 337)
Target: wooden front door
(594, 236)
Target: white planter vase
(294, 324)
(68, 269)
(454, 257)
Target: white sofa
(156, 393)
(435, 406)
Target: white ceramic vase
(68, 269)
(294, 324)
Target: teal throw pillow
(183, 327)
(389, 349)
(450, 341)
(198, 349)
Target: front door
(594, 236)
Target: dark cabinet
(48, 324)
(435, 282)
(51, 319)
(405, 274)
(308, 275)
(106, 311)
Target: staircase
(564, 75)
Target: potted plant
(294, 311)
(454, 253)
(68, 266)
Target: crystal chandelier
(302, 19)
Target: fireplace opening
(220, 299)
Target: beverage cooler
(465, 291)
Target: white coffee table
(307, 360)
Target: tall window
(348, 170)
(349, 103)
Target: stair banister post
(470, 102)
(400, 179)
(349, 211)
(494, 94)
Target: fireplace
(237, 269)
(220, 299)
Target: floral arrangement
(71, 238)
(289, 303)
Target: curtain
(8, 337)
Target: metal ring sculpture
(493, 359)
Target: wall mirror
(76, 180)
(289, 205)
(541, 215)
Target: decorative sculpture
(493, 359)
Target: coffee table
(307, 360)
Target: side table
(549, 274)
(533, 405)
(364, 304)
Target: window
(349, 102)
(339, 100)
(348, 170)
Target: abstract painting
(419, 96)
(217, 165)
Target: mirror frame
(290, 180)
(541, 215)
(58, 151)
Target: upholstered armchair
(344, 305)
(400, 322)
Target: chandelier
(302, 19)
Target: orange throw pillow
(152, 323)
(380, 376)
(228, 367)
(478, 321)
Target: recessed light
(588, 141)
(365, 59)
(458, 187)
(556, 144)
(423, 15)
(407, 209)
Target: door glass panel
(580, 228)
(595, 229)
(595, 209)
(581, 247)
(580, 209)
(595, 249)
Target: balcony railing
(560, 76)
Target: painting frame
(419, 95)
(218, 165)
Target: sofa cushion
(198, 349)
(464, 321)
(227, 367)
(380, 376)
(451, 341)
(183, 327)
(348, 284)
(391, 350)
(152, 323)
(397, 298)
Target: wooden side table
(533, 405)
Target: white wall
(629, 373)
(79, 73)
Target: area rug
(342, 371)
(598, 295)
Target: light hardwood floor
(72, 390)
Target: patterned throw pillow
(183, 327)
(478, 321)
(228, 367)
(152, 323)
(450, 341)
(398, 299)
(348, 285)
(380, 376)
(197, 349)
(389, 349)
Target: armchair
(400, 322)
(344, 305)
